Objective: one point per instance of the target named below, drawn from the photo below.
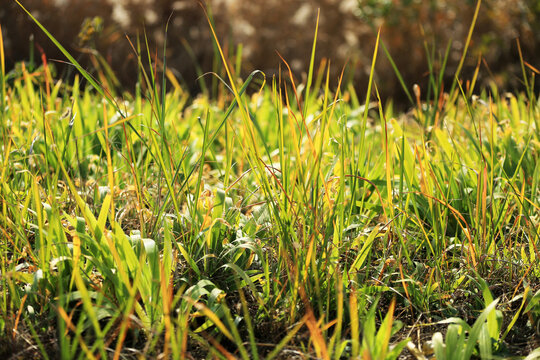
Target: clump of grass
(294, 221)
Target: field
(274, 218)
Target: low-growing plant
(276, 221)
(461, 339)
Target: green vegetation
(278, 220)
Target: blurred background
(96, 30)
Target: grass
(276, 220)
